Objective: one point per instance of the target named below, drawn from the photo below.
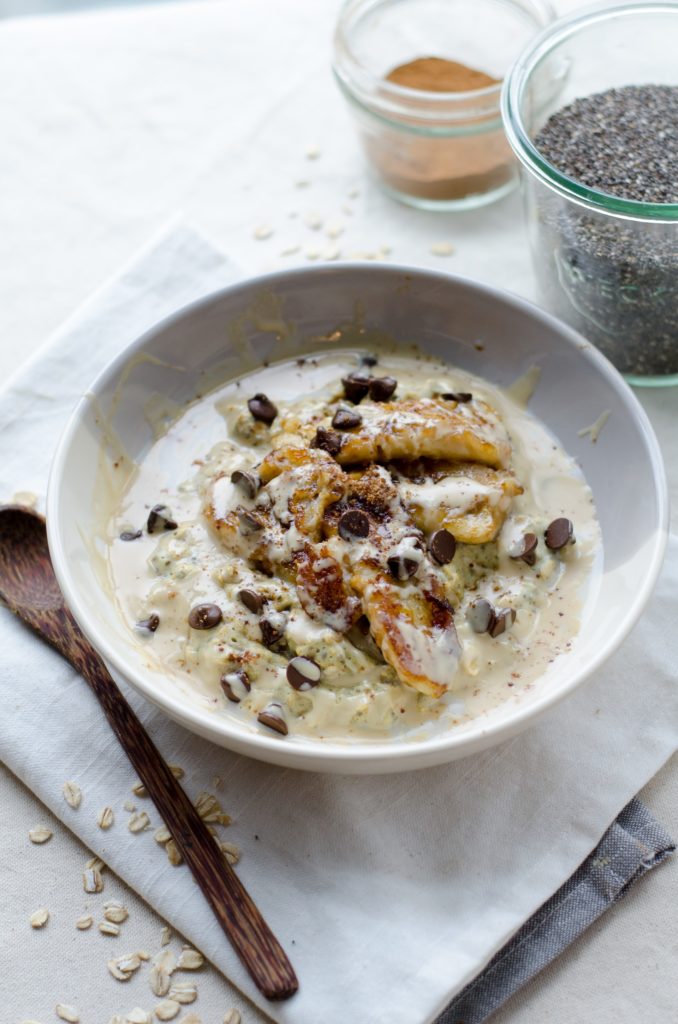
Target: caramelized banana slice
(302, 483)
(323, 589)
(414, 628)
(427, 428)
(469, 500)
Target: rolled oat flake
(559, 533)
(205, 616)
(303, 673)
(274, 717)
(262, 409)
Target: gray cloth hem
(632, 846)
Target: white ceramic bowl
(231, 332)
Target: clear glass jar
(606, 265)
(435, 150)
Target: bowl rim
(405, 753)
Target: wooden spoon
(29, 588)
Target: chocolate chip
(442, 546)
(346, 419)
(235, 685)
(262, 408)
(457, 396)
(480, 615)
(249, 521)
(526, 549)
(369, 360)
(356, 386)
(130, 535)
(354, 524)
(270, 634)
(274, 717)
(363, 625)
(253, 602)
(249, 483)
(559, 533)
(328, 440)
(160, 518)
(401, 567)
(205, 616)
(303, 673)
(381, 388)
(148, 625)
(503, 618)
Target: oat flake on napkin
(389, 893)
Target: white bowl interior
(238, 329)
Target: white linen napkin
(388, 893)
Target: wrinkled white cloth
(389, 893)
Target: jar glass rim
(516, 131)
(357, 77)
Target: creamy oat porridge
(354, 546)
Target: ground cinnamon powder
(469, 156)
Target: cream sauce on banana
(359, 696)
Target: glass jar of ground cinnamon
(423, 81)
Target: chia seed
(615, 279)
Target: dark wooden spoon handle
(252, 939)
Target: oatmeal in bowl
(357, 518)
(374, 543)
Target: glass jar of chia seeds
(591, 110)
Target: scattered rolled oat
(129, 806)
(313, 151)
(313, 221)
(138, 822)
(312, 253)
(162, 835)
(92, 880)
(165, 936)
(123, 967)
(334, 229)
(210, 810)
(105, 818)
(72, 794)
(262, 232)
(164, 964)
(217, 782)
(39, 835)
(138, 1016)
(108, 928)
(191, 1018)
(173, 853)
(332, 252)
(95, 862)
(84, 922)
(190, 959)
(354, 192)
(167, 1009)
(290, 250)
(39, 918)
(176, 770)
(302, 183)
(116, 1019)
(441, 249)
(183, 992)
(231, 852)
(68, 1013)
(115, 912)
(232, 1016)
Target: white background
(110, 124)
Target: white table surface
(111, 123)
